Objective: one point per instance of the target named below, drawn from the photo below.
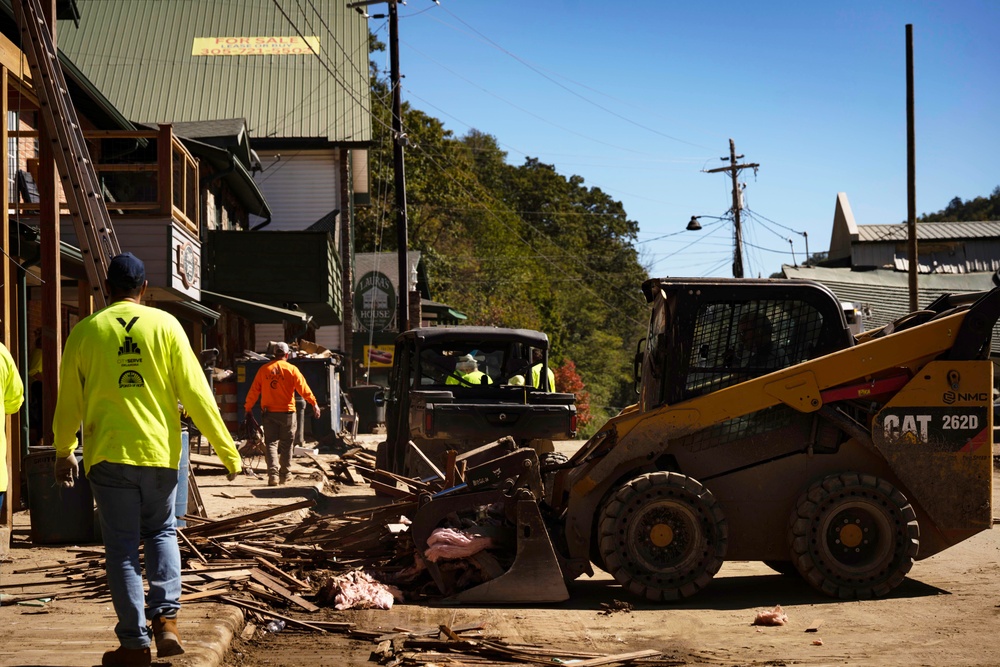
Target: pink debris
(449, 544)
(357, 590)
(817, 642)
(776, 616)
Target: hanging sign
(374, 302)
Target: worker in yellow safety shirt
(467, 373)
(536, 373)
(13, 396)
(124, 371)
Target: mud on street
(947, 612)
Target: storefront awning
(259, 313)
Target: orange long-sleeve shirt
(276, 384)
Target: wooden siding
(154, 240)
(301, 187)
(277, 268)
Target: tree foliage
(513, 245)
(972, 210)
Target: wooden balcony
(141, 173)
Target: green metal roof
(139, 53)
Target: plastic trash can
(58, 515)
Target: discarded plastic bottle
(274, 625)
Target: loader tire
(853, 536)
(662, 536)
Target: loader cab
(708, 334)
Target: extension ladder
(91, 220)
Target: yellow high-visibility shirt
(124, 371)
(13, 397)
(475, 378)
(536, 377)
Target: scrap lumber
(278, 572)
(269, 582)
(267, 612)
(222, 525)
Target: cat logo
(908, 428)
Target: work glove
(67, 470)
(316, 411)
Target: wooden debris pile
(468, 645)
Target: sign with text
(374, 301)
(255, 46)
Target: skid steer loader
(765, 430)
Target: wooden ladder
(91, 220)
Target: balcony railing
(141, 172)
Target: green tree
(512, 245)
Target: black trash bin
(363, 399)
(58, 515)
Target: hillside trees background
(513, 246)
(977, 209)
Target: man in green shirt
(12, 394)
(124, 371)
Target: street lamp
(693, 224)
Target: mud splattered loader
(764, 430)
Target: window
(736, 341)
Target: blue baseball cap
(126, 272)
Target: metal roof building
(294, 72)
(868, 264)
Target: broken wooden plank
(192, 547)
(265, 580)
(278, 572)
(222, 525)
(267, 612)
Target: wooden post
(6, 456)
(165, 169)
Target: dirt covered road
(947, 612)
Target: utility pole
(399, 141)
(911, 177)
(734, 171)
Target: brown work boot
(168, 640)
(283, 479)
(126, 657)
(272, 480)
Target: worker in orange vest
(276, 384)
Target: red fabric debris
(357, 590)
(450, 544)
(776, 616)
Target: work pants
(136, 503)
(279, 432)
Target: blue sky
(640, 97)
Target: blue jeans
(1, 496)
(137, 503)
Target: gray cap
(282, 348)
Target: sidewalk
(75, 632)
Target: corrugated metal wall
(300, 187)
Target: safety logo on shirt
(130, 380)
(129, 353)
